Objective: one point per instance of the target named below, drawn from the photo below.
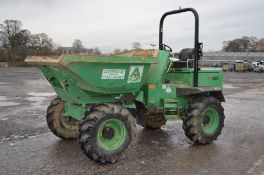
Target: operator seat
(185, 55)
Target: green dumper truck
(102, 98)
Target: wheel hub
(206, 119)
(108, 133)
(210, 120)
(111, 134)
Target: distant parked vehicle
(250, 67)
(256, 69)
(255, 63)
(259, 66)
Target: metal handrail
(197, 45)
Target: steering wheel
(166, 47)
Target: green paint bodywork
(82, 81)
(183, 77)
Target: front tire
(62, 126)
(204, 120)
(107, 132)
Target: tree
(231, 46)
(116, 51)
(244, 44)
(12, 35)
(23, 38)
(97, 51)
(125, 50)
(136, 46)
(41, 43)
(261, 45)
(16, 43)
(77, 46)
(2, 55)
(253, 43)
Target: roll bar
(197, 44)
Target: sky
(111, 24)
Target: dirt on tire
(56, 123)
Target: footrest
(171, 108)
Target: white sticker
(168, 90)
(135, 74)
(113, 74)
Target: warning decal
(135, 74)
(113, 74)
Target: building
(213, 58)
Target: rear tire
(155, 121)
(150, 120)
(62, 126)
(107, 132)
(204, 120)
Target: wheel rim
(111, 134)
(210, 121)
